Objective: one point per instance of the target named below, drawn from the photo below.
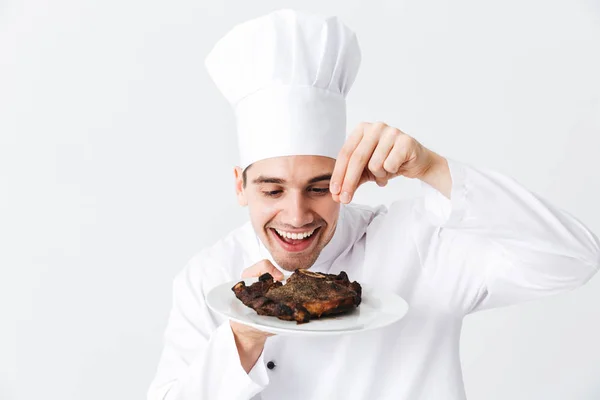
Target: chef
(474, 239)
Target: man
(474, 240)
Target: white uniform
(494, 243)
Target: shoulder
(220, 262)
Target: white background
(117, 152)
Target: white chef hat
(286, 75)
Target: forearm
(200, 360)
(213, 372)
(497, 206)
(500, 238)
(546, 247)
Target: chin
(291, 264)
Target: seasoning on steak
(304, 296)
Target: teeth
(294, 236)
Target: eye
(272, 193)
(319, 190)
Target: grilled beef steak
(305, 295)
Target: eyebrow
(324, 177)
(269, 179)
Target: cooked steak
(305, 295)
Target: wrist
(249, 347)
(248, 342)
(437, 174)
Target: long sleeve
(200, 358)
(516, 245)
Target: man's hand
(250, 342)
(378, 152)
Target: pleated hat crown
(286, 75)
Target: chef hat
(286, 75)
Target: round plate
(377, 309)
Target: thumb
(367, 176)
(261, 267)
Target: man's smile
(294, 242)
(294, 235)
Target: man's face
(290, 206)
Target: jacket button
(270, 365)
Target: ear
(239, 187)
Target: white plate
(377, 309)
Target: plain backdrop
(117, 155)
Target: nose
(296, 209)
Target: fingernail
(335, 188)
(345, 197)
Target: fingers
(398, 154)
(372, 152)
(341, 163)
(381, 182)
(356, 166)
(381, 153)
(260, 268)
(352, 161)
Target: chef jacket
(493, 243)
